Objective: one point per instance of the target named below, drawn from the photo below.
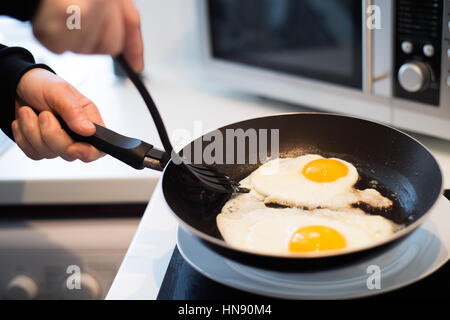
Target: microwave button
(414, 76)
(428, 50)
(407, 47)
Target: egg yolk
(325, 170)
(316, 238)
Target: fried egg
(311, 181)
(319, 194)
(291, 231)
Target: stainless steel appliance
(63, 251)
(379, 59)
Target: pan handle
(134, 152)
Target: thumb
(72, 106)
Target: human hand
(107, 27)
(41, 136)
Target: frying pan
(405, 171)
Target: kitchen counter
(148, 256)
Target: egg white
(281, 181)
(269, 230)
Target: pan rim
(321, 254)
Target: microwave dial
(414, 76)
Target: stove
(182, 282)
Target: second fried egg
(291, 231)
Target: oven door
(318, 40)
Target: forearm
(14, 62)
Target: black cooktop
(182, 282)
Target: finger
(23, 144)
(85, 152)
(29, 126)
(96, 15)
(111, 39)
(133, 45)
(73, 107)
(54, 136)
(60, 142)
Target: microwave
(384, 60)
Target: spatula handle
(131, 151)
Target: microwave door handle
(368, 54)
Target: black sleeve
(23, 10)
(14, 62)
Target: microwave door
(318, 40)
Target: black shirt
(14, 62)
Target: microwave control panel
(418, 50)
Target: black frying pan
(406, 171)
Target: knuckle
(36, 157)
(80, 103)
(32, 155)
(48, 153)
(68, 157)
(16, 136)
(89, 158)
(86, 160)
(56, 90)
(84, 103)
(37, 33)
(134, 19)
(112, 47)
(62, 86)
